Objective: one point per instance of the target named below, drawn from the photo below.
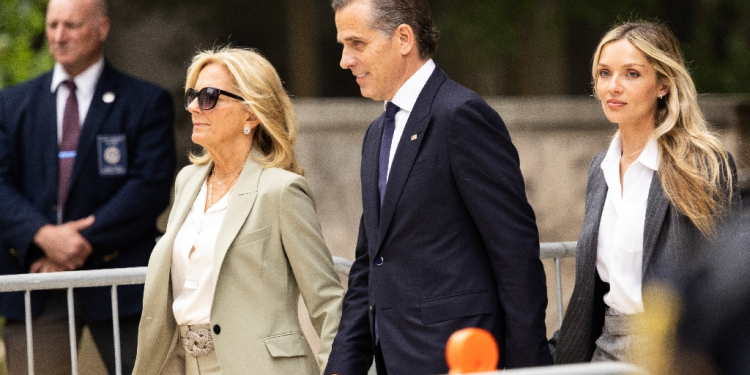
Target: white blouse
(619, 258)
(193, 260)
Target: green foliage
(23, 52)
(719, 51)
(714, 34)
(484, 29)
(545, 46)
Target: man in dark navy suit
(87, 158)
(447, 239)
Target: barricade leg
(558, 286)
(116, 330)
(72, 334)
(29, 337)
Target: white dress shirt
(405, 98)
(619, 258)
(193, 260)
(85, 87)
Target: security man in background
(87, 158)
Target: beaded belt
(198, 341)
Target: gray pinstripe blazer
(669, 239)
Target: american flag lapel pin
(414, 137)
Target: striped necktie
(66, 157)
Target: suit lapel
(407, 150)
(187, 198)
(240, 204)
(370, 165)
(160, 263)
(45, 132)
(94, 119)
(656, 210)
(599, 191)
(180, 210)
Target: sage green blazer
(270, 249)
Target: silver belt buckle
(199, 342)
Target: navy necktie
(71, 130)
(389, 125)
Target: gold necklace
(222, 182)
(631, 154)
(211, 186)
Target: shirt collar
(649, 157)
(407, 95)
(85, 82)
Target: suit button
(378, 261)
(217, 329)
(54, 207)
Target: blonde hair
(257, 82)
(694, 169)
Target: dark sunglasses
(207, 97)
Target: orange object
(471, 350)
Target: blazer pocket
(255, 235)
(630, 237)
(455, 306)
(292, 344)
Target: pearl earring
(661, 96)
(246, 130)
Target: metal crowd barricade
(85, 279)
(557, 250)
(601, 368)
(70, 280)
(137, 275)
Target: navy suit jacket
(454, 246)
(125, 206)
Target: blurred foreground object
(471, 350)
(714, 332)
(656, 327)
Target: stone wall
(556, 138)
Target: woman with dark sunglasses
(243, 240)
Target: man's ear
(405, 37)
(104, 26)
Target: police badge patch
(113, 154)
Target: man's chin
(65, 60)
(367, 94)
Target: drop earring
(246, 130)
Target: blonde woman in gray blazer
(243, 240)
(653, 199)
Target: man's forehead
(348, 35)
(349, 28)
(70, 10)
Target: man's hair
(387, 15)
